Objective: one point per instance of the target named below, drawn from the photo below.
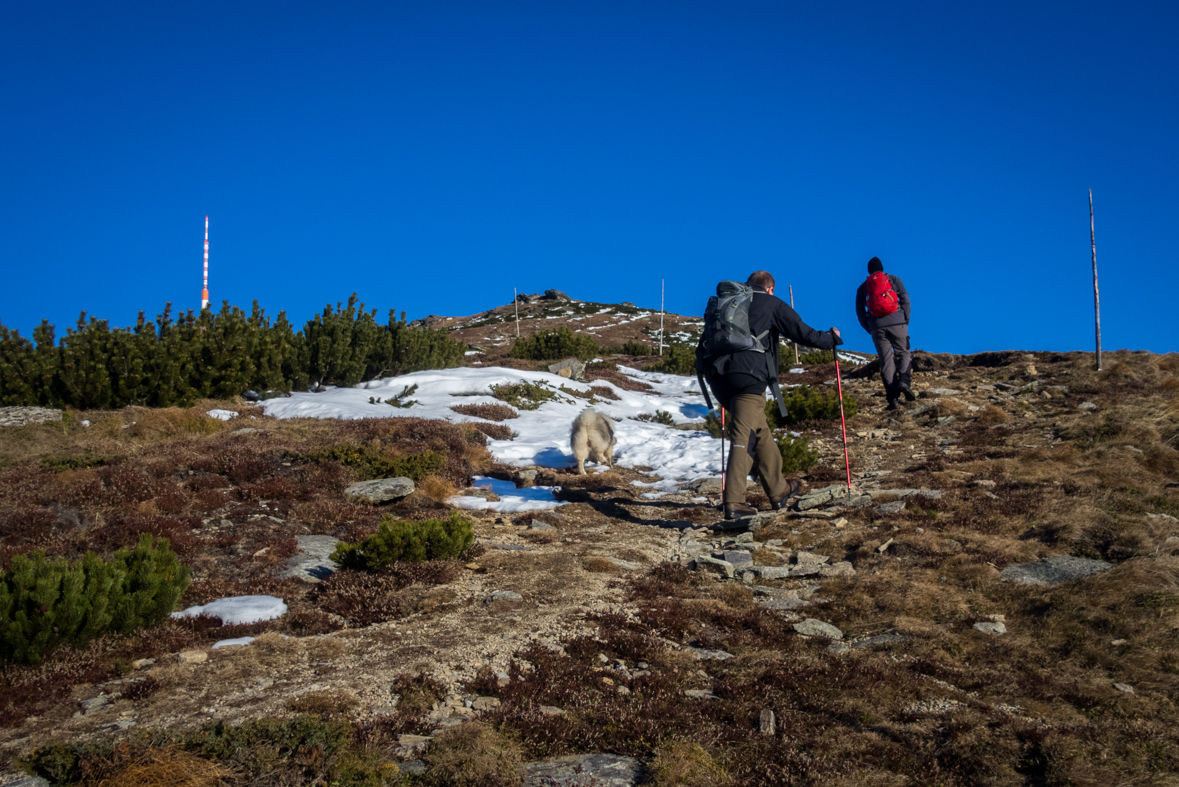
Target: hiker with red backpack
(738, 356)
(882, 305)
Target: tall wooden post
(1096, 295)
(661, 284)
(516, 304)
(791, 288)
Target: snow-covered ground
(543, 434)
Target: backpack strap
(700, 373)
(771, 367)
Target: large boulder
(570, 367)
(1054, 570)
(380, 491)
(557, 295)
(602, 770)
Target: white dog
(592, 438)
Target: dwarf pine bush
(677, 359)
(407, 542)
(806, 404)
(368, 463)
(797, 454)
(549, 345)
(46, 603)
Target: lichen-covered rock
(380, 491)
(1054, 570)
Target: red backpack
(882, 299)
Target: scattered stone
(142, 663)
(884, 547)
(550, 710)
(701, 694)
(840, 569)
(557, 295)
(983, 483)
(409, 746)
(737, 558)
(505, 596)
(483, 492)
(1167, 517)
(192, 656)
(771, 572)
(839, 523)
(708, 655)
(894, 507)
(988, 627)
(817, 628)
(940, 392)
(623, 564)
(1124, 688)
(527, 475)
(945, 419)
(380, 491)
(20, 416)
(767, 724)
(485, 703)
(819, 497)
(601, 770)
(94, 703)
(933, 707)
(508, 547)
(868, 642)
(1086, 406)
(313, 561)
(413, 767)
(536, 524)
(932, 494)
(20, 780)
(706, 486)
(1054, 570)
(721, 567)
(804, 558)
(783, 604)
(570, 367)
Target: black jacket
(749, 372)
(899, 317)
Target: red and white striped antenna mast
(205, 289)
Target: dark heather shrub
(401, 541)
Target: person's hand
(835, 331)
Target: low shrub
(60, 464)
(660, 417)
(677, 359)
(797, 454)
(523, 395)
(44, 604)
(816, 357)
(495, 431)
(806, 404)
(474, 755)
(368, 462)
(630, 347)
(401, 541)
(550, 345)
(492, 412)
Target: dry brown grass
(682, 764)
(492, 412)
(169, 767)
(332, 704)
(992, 415)
(436, 488)
(474, 755)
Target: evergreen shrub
(550, 345)
(797, 454)
(44, 604)
(631, 347)
(411, 542)
(368, 462)
(816, 357)
(677, 359)
(523, 395)
(806, 404)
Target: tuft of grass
(472, 754)
(523, 395)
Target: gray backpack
(726, 331)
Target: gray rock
(508, 547)
(20, 416)
(859, 501)
(780, 604)
(721, 567)
(868, 642)
(379, 491)
(890, 508)
(819, 497)
(817, 628)
(706, 486)
(804, 558)
(884, 547)
(413, 767)
(983, 483)
(1054, 570)
(19, 780)
(483, 492)
(557, 295)
(570, 367)
(840, 569)
(771, 572)
(1123, 687)
(550, 710)
(940, 392)
(536, 524)
(990, 627)
(410, 745)
(527, 474)
(737, 558)
(922, 410)
(313, 561)
(932, 494)
(577, 770)
(767, 724)
(624, 564)
(945, 419)
(708, 655)
(508, 596)
(1086, 406)
(700, 694)
(94, 703)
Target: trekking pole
(842, 419)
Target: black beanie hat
(875, 264)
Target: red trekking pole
(842, 419)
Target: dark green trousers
(752, 444)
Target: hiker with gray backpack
(882, 306)
(738, 356)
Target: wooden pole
(1096, 295)
(661, 287)
(516, 303)
(791, 287)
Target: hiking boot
(908, 392)
(778, 503)
(892, 404)
(738, 510)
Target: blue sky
(432, 156)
